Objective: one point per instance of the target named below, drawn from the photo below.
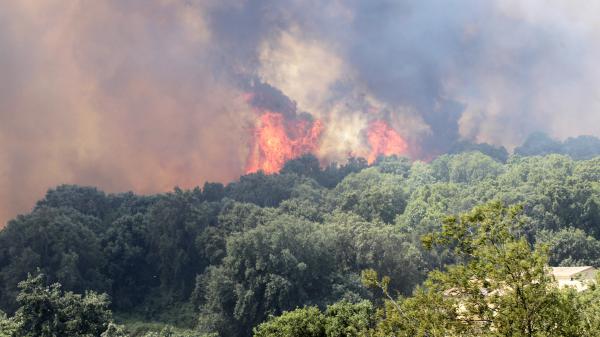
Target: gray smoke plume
(148, 94)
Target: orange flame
(384, 140)
(277, 140)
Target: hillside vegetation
(220, 260)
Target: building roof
(569, 271)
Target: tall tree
(500, 287)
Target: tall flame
(384, 140)
(277, 140)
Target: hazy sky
(144, 95)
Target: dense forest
(357, 249)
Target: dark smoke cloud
(266, 97)
(149, 94)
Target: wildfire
(277, 140)
(280, 133)
(384, 140)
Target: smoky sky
(145, 95)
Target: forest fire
(281, 133)
(277, 139)
(384, 140)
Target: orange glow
(277, 140)
(384, 140)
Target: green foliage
(588, 305)
(467, 168)
(174, 223)
(395, 165)
(334, 173)
(85, 200)
(571, 247)
(306, 322)
(48, 311)
(213, 192)
(345, 319)
(359, 245)
(61, 242)
(263, 190)
(239, 217)
(372, 195)
(170, 332)
(306, 165)
(342, 319)
(114, 330)
(502, 283)
(8, 327)
(267, 270)
(501, 287)
(227, 257)
(126, 249)
(136, 326)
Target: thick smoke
(148, 94)
(120, 94)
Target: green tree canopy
(499, 287)
(47, 311)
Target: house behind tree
(577, 277)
